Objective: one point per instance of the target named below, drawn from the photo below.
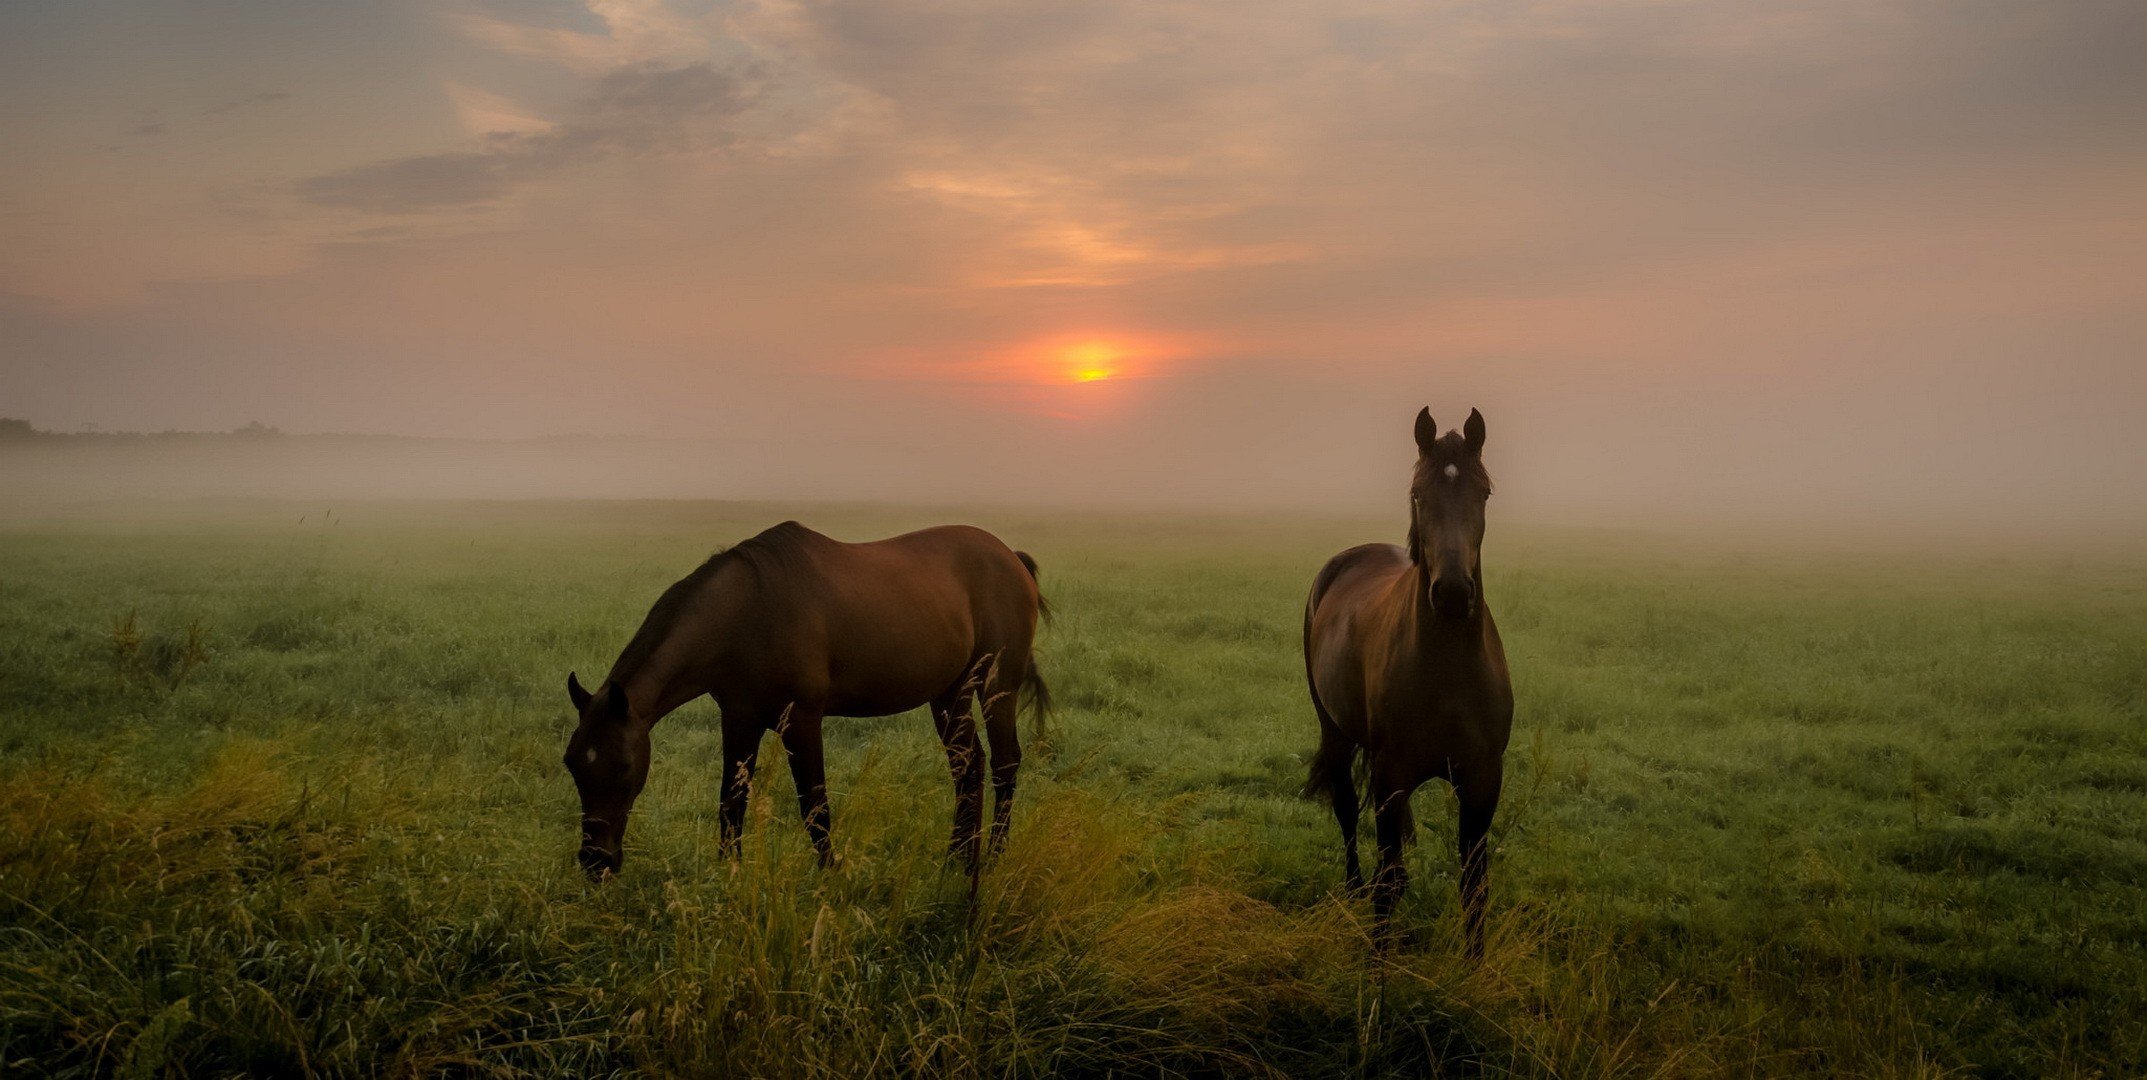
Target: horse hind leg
(1001, 707)
(952, 715)
(1330, 778)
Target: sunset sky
(1808, 255)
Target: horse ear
(574, 691)
(1473, 432)
(615, 698)
(1427, 431)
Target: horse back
(996, 585)
(887, 625)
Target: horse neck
(667, 666)
(657, 687)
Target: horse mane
(765, 555)
(773, 550)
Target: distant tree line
(22, 432)
(13, 430)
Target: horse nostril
(597, 863)
(1453, 597)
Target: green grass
(283, 795)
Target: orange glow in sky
(1092, 361)
(1053, 361)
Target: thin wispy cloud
(624, 33)
(637, 110)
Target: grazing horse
(789, 627)
(1405, 664)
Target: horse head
(608, 757)
(1446, 514)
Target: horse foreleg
(1390, 809)
(741, 748)
(1478, 793)
(800, 729)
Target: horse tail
(1038, 697)
(1333, 758)
(1338, 757)
(1043, 606)
(1033, 688)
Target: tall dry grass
(268, 921)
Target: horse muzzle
(598, 863)
(1453, 597)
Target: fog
(1831, 265)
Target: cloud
(484, 113)
(625, 33)
(634, 111)
(426, 182)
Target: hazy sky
(1799, 254)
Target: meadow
(280, 794)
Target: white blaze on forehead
(589, 755)
(1452, 471)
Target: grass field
(280, 793)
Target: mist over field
(1626, 480)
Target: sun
(1091, 361)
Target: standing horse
(789, 627)
(1405, 664)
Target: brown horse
(791, 626)
(1405, 663)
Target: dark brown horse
(1405, 664)
(790, 627)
